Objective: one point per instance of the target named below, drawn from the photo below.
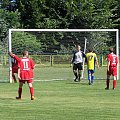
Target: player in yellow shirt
(91, 59)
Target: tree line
(57, 14)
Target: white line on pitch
(50, 80)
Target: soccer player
(91, 59)
(111, 68)
(14, 68)
(25, 72)
(77, 61)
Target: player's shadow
(7, 98)
(78, 83)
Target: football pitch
(59, 98)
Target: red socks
(20, 92)
(114, 84)
(32, 91)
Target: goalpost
(84, 32)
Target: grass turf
(61, 100)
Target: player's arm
(108, 62)
(86, 58)
(96, 62)
(32, 64)
(14, 56)
(83, 54)
(10, 54)
(19, 70)
(73, 58)
(19, 73)
(108, 65)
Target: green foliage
(5, 3)
(99, 41)
(7, 20)
(25, 41)
(71, 14)
(92, 14)
(11, 19)
(3, 35)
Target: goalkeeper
(91, 60)
(77, 61)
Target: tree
(25, 41)
(74, 14)
(3, 36)
(7, 20)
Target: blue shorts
(91, 71)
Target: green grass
(48, 73)
(61, 100)
(57, 100)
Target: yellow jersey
(91, 58)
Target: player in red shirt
(25, 73)
(111, 68)
(14, 68)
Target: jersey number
(90, 57)
(114, 60)
(25, 63)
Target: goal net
(52, 49)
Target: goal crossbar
(66, 30)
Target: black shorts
(77, 66)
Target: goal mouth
(59, 51)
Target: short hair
(77, 44)
(90, 49)
(111, 49)
(25, 52)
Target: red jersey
(14, 60)
(26, 66)
(113, 59)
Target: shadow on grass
(7, 98)
(78, 83)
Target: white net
(52, 49)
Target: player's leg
(80, 68)
(14, 78)
(20, 90)
(92, 76)
(114, 82)
(13, 74)
(108, 80)
(79, 75)
(114, 77)
(89, 76)
(31, 89)
(75, 72)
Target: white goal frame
(61, 30)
